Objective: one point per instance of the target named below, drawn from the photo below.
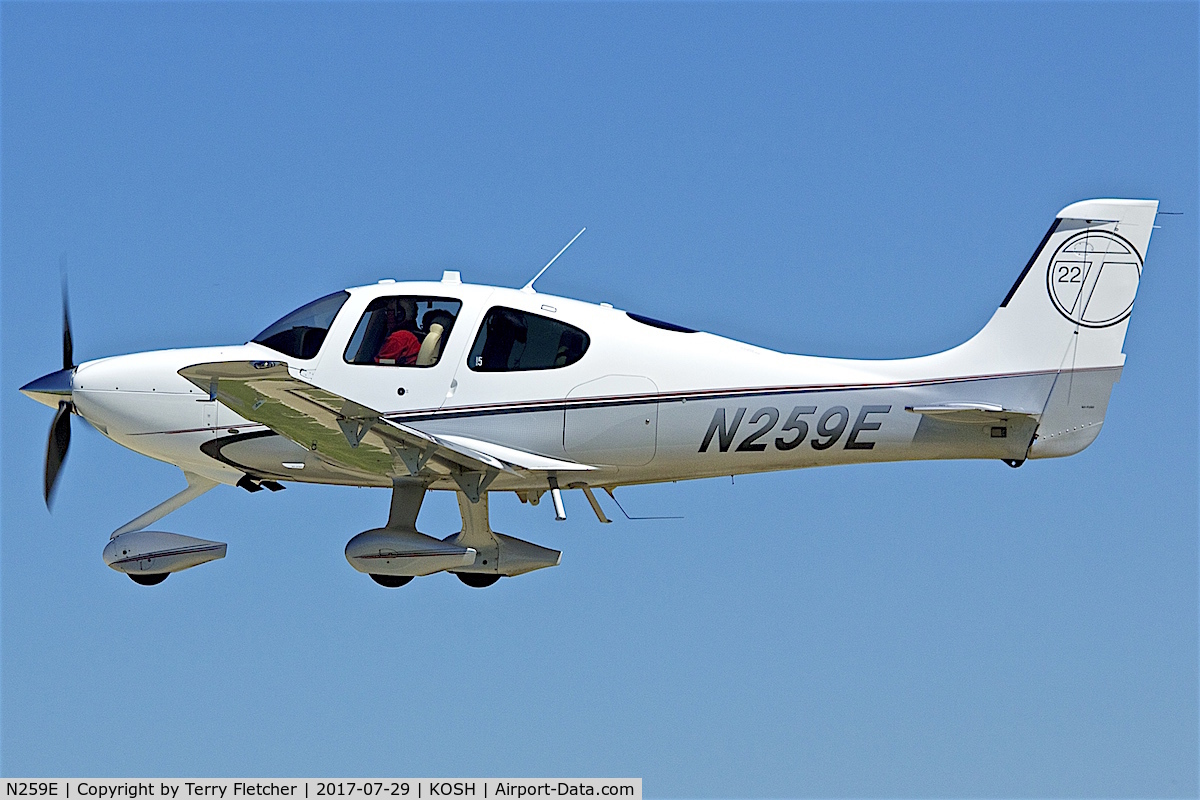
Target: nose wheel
(149, 580)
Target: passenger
(437, 317)
(436, 324)
(570, 348)
(505, 330)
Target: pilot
(401, 345)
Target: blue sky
(836, 179)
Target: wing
(352, 436)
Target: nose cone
(50, 389)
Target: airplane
(443, 385)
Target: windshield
(301, 332)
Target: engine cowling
(157, 552)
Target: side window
(403, 331)
(511, 341)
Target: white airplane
(479, 389)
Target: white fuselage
(643, 404)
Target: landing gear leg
(148, 557)
(496, 555)
(407, 497)
(196, 486)
(477, 533)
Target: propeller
(55, 390)
(68, 347)
(60, 429)
(56, 446)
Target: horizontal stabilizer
(969, 412)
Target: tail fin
(1070, 307)
(1067, 313)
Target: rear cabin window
(658, 323)
(403, 331)
(513, 341)
(301, 333)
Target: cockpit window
(404, 331)
(301, 332)
(510, 341)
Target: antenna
(626, 513)
(529, 286)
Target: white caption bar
(407, 788)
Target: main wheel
(390, 581)
(478, 580)
(152, 579)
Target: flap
(520, 459)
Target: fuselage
(643, 402)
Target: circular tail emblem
(1093, 278)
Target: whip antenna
(529, 286)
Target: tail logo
(1093, 278)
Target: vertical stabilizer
(1070, 306)
(1067, 313)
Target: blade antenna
(609, 491)
(528, 288)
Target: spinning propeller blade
(67, 347)
(56, 447)
(59, 383)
